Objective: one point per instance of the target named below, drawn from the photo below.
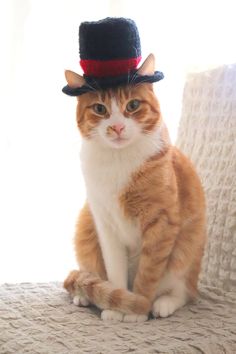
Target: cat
(140, 237)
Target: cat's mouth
(120, 141)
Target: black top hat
(110, 52)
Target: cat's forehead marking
(104, 95)
(114, 106)
(115, 95)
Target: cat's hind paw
(165, 305)
(135, 318)
(112, 316)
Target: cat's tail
(102, 293)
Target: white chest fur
(107, 172)
(106, 175)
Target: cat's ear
(148, 66)
(74, 80)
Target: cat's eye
(133, 105)
(99, 109)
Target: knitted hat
(110, 52)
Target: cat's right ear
(74, 80)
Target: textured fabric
(207, 134)
(108, 39)
(40, 318)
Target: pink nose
(118, 128)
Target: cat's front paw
(112, 316)
(80, 301)
(135, 318)
(70, 284)
(70, 281)
(165, 305)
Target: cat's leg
(116, 262)
(166, 304)
(158, 240)
(132, 318)
(87, 248)
(88, 254)
(99, 251)
(115, 259)
(180, 282)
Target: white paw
(113, 316)
(165, 305)
(135, 318)
(80, 301)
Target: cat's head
(117, 117)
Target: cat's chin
(119, 143)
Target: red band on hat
(104, 68)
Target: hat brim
(98, 84)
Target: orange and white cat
(140, 236)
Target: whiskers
(132, 78)
(155, 138)
(147, 132)
(146, 126)
(93, 84)
(141, 79)
(93, 134)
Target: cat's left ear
(148, 66)
(74, 80)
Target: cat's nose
(118, 128)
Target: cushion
(207, 134)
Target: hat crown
(110, 52)
(109, 39)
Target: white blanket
(40, 318)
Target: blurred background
(41, 187)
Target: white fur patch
(172, 295)
(80, 301)
(166, 305)
(112, 316)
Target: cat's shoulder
(180, 161)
